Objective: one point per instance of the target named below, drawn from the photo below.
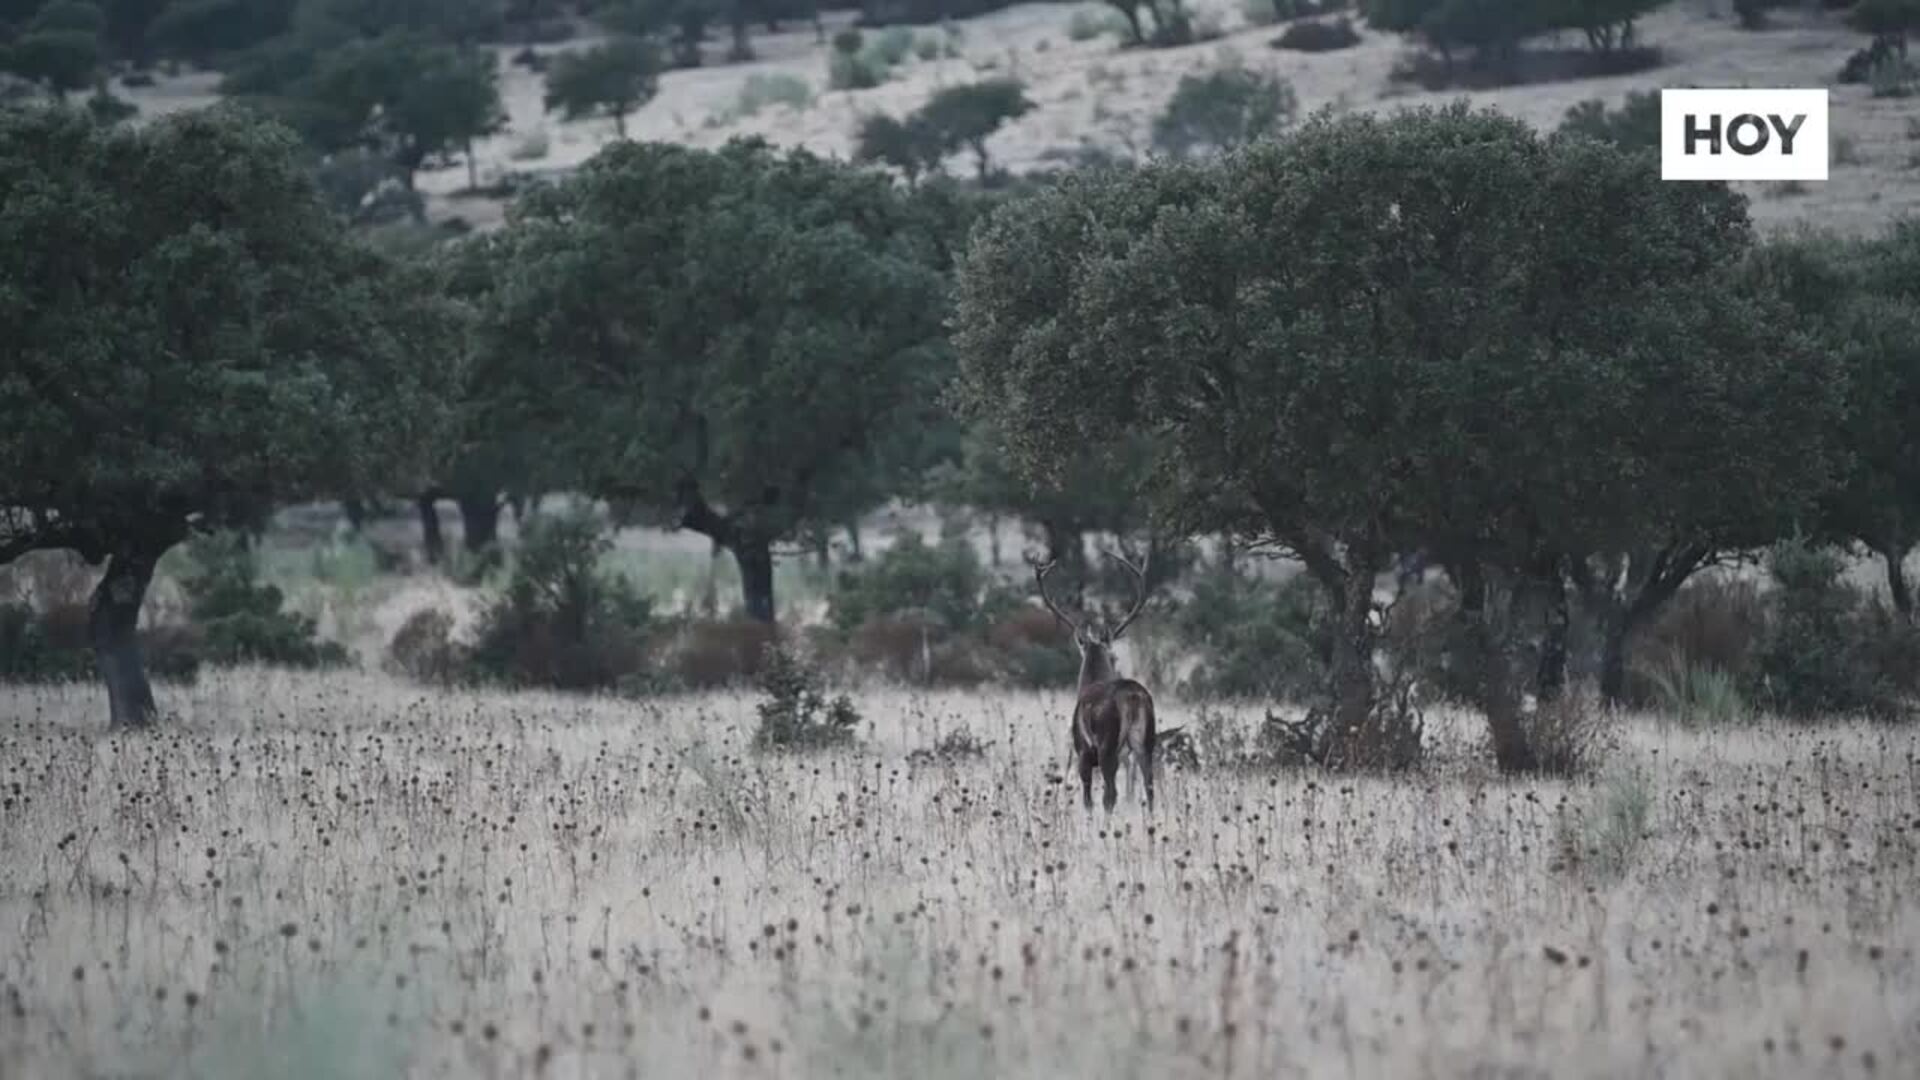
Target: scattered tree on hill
(59, 47)
(727, 332)
(906, 145)
(193, 340)
(1635, 125)
(612, 79)
(964, 116)
(1225, 108)
(1892, 20)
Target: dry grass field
(346, 876)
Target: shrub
(1713, 624)
(1635, 125)
(423, 648)
(1698, 694)
(1316, 35)
(1033, 650)
(952, 747)
(1893, 77)
(1228, 107)
(562, 621)
(240, 620)
(944, 582)
(28, 655)
(712, 654)
(1569, 735)
(1255, 638)
(1861, 65)
(1818, 655)
(854, 71)
(795, 713)
(1089, 23)
(1391, 739)
(1607, 831)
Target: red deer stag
(1112, 715)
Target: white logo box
(1778, 134)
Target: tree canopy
(1437, 328)
(610, 79)
(729, 331)
(192, 340)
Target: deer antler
(1140, 577)
(1040, 572)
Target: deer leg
(1109, 765)
(1087, 759)
(1146, 772)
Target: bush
(1860, 66)
(1826, 650)
(942, 583)
(423, 648)
(1223, 109)
(240, 620)
(1032, 649)
(1256, 638)
(1713, 624)
(1635, 125)
(1818, 657)
(1698, 694)
(563, 622)
(1569, 735)
(710, 655)
(1315, 35)
(28, 655)
(1089, 23)
(795, 713)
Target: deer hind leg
(1109, 766)
(1087, 758)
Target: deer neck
(1096, 665)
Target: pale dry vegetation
(342, 875)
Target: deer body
(1112, 716)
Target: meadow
(343, 875)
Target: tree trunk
(1550, 677)
(854, 551)
(620, 123)
(479, 522)
(430, 539)
(113, 620)
(742, 50)
(993, 540)
(356, 513)
(1351, 667)
(1613, 662)
(754, 555)
(1899, 590)
(473, 169)
(1493, 676)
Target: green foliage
(1318, 35)
(1496, 28)
(563, 621)
(1607, 831)
(611, 79)
(63, 60)
(906, 145)
(1895, 19)
(1255, 637)
(943, 582)
(1635, 125)
(1817, 657)
(1225, 108)
(964, 116)
(290, 365)
(203, 30)
(241, 619)
(781, 328)
(761, 91)
(29, 653)
(1383, 333)
(795, 712)
(1697, 695)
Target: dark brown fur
(1112, 717)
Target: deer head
(1095, 642)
